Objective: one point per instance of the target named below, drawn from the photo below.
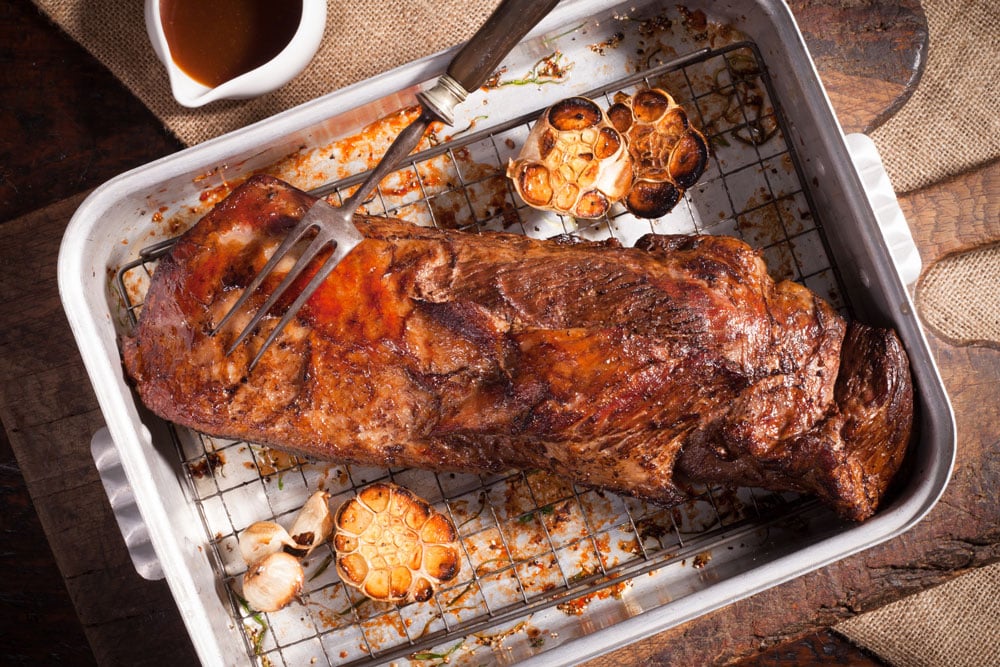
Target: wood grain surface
(869, 54)
(68, 125)
(49, 411)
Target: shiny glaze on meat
(638, 370)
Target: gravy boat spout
(271, 75)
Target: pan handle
(885, 206)
(122, 499)
(476, 61)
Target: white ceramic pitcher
(270, 76)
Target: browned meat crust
(623, 368)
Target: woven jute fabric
(951, 123)
(362, 38)
(956, 624)
(959, 296)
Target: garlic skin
(273, 582)
(313, 524)
(263, 538)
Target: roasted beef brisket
(639, 370)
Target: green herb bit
(253, 614)
(461, 594)
(478, 512)
(649, 58)
(494, 641)
(258, 640)
(719, 140)
(468, 128)
(744, 65)
(757, 131)
(256, 635)
(545, 70)
(497, 559)
(443, 657)
(322, 567)
(544, 510)
(352, 607)
(549, 40)
(478, 573)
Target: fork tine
(328, 266)
(290, 240)
(315, 247)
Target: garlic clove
(263, 538)
(273, 582)
(313, 524)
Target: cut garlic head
(314, 522)
(261, 539)
(393, 546)
(574, 161)
(668, 154)
(273, 582)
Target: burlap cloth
(956, 624)
(950, 124)
(959, 296)
(361, 39)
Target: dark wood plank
(869, 54)
(823, 647)
(955, 215)
(40, 598)
(66, 123)
(50, 412)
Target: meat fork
(334, 226)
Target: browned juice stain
(216, 41)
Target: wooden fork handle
(509, 22)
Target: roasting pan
(553, 574)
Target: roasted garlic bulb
(668, 154)
(393, 546)
(578, 160)
(573, 162)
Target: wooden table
(67, 125)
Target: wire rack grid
(530, 541)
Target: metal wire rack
(531, 542)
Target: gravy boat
(273, 74)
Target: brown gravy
(219, 40)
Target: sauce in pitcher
(216, 41)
